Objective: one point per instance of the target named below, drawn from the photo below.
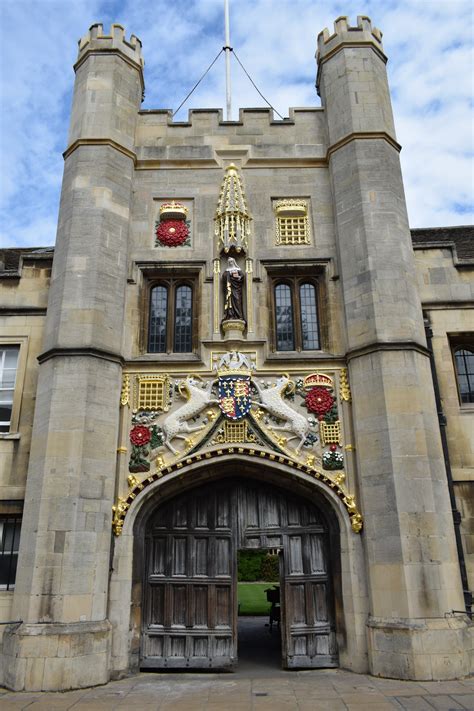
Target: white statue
(234, 360)
(176, 423)
(271, 400)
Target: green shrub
(257, 565)
(249, 565)
(270, 568)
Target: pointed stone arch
(351, 601)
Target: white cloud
(429, 44)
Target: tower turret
(62, 584)
(409, 533)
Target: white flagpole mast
(228, 50)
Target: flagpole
(228, 50)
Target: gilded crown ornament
(173, 211)
(291, 208)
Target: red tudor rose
(172, 233)
(140, 435)
(319, 401)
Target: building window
(291, 222)
(8, 369)
(170, 327)
(10, 526)
(464, 361)
(296, 315)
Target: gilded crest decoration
(289, 418)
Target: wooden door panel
(310, 637)
(189, 606)
(179, 558)
(201, 555)
(223, 557)
(200, 602)
(188, 611)
(317, 563)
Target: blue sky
(429, 44)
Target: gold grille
(330, 432)
(292, 230)
(235, 431)
(152, 393)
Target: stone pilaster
(412, 567)
(62, 585)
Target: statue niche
(233, 281)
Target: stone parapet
(304, 129)
(56, 657)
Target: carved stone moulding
(119, 510)
(233, 325)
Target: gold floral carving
(345, 388)
(125, 394)
(132, 481)
(118, 514)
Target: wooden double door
(189, 609)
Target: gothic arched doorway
(189, 607)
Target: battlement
(96, 41)
(303, 127)
(344, 33)
(247, 116)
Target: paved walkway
(258, 684)
(328, 690)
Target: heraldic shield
(234, 395)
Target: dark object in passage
(273, 596)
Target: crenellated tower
(412, 572)
(62, 585)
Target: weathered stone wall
(446, 288)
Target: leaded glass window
(170, 328)
(285, 340)
(464, 358)
(296, 314)
(9, 544)
(183, 320)
(8, 368)
(309, 317)
(158, 320)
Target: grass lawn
(252, 598)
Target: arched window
(464, 359)
(183, 320)
(158, 319)
(170, 324)
(284, 328)
(309, 317)
(296, 315)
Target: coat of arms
(234, 393)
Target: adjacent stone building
(238, 344)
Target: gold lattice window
(152, 392)
(292, 223)
(235, 431)
(330, 432)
